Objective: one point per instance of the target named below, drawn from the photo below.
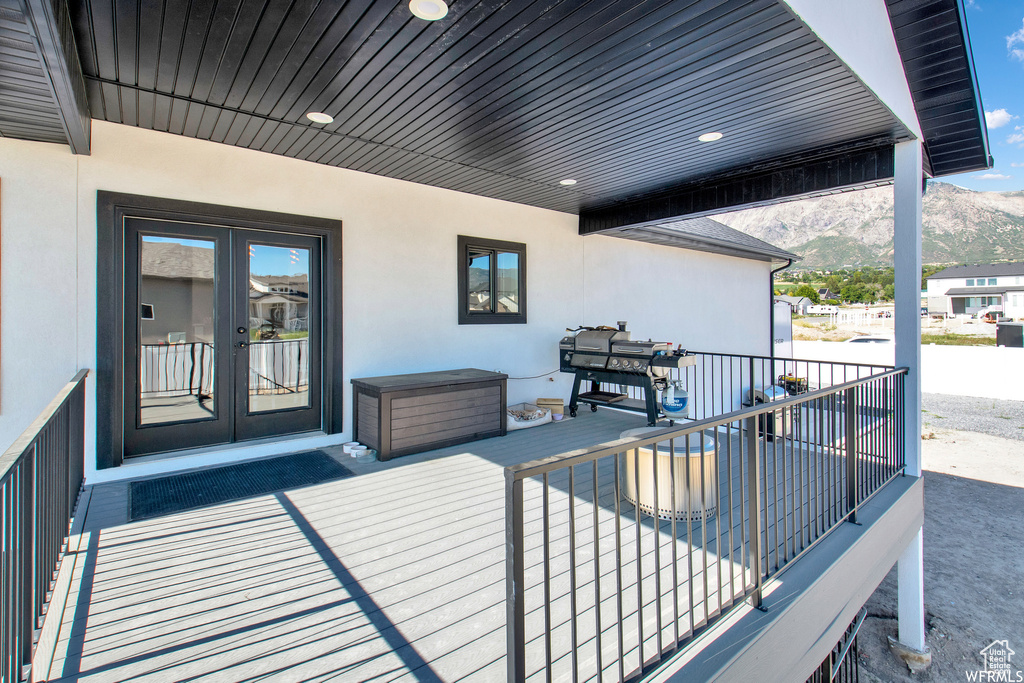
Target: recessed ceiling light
(710, 137)
(430, 10)
(567, 181)
(319, 117)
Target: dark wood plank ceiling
(936, 54)
(500, 98)
(42, 94)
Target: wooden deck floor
(397, 574)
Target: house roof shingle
(704, 234)
(982, 269)
(974, 291)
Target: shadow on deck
(396, 574)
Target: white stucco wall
(705, 302)
(399, 263)
(851, 29)
(39, 332)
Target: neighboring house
(279, 302)
(456, 194)
(965, 290)
(824, 293)
(799, 304)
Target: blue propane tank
(675, 402)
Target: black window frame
(466, 317)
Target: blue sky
(997, 39)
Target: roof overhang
(935, 47)
(704, 234)
(506, 98)
(980, 291)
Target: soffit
(936, 52)
(27, 107)
(501, 99)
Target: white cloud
(998, 118)
(1016, 137)
(1013, 41)
(1016, 165)
(995, 175)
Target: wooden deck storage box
(403, 414)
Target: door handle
(242, 345)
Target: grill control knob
(636, 364)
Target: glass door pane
(279, 325)
(177, 340)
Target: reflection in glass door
(222, 335)
(177, 339)
(278, 327)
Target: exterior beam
(907, 257)
(907, 247)
(808, 175)
(50, 22)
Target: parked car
(869, 339)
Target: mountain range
(854, 229)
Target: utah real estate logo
(996, 659)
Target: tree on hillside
(808, 291)
(855, 294)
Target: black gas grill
(606, 355)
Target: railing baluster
(597, 578)
(618, 572)
(754, 493)
(515, 580)
(546, 513)
(792, 500)
(574, 643)
(851, 453)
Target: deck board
(395, 574)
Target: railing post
(30, 549)
(515, 628)
(851, 453)
(754, 509)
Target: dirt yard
(860, 322)
(973, 560)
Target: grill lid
(599, 341)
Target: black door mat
(156, 497)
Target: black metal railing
(842, 664)
(619, 555)
(41, 476)
(718, 383)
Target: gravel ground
(974, 577)
(994, 417)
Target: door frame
(111, 210)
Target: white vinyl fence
(982, 371)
